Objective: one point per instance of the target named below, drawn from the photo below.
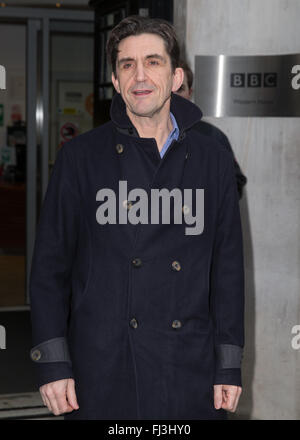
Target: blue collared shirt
(172, 136)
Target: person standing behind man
(186, 91)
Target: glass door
(71, 80)
(13, 142)
(48, 58)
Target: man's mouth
(141, 92)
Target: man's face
(184, 90)
(144, 74)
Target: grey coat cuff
(53, 350)
(229, 356)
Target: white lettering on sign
(2, 78)
(296, 78)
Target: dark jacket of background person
(210, 130)
(186, 91)
(145, 318)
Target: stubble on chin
(146, 114)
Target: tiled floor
(23, 406)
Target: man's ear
(178, 78)
(115, 82)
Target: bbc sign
(253, 80)
(248, 85)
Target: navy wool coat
(144, 317)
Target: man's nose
(140, 72)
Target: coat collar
(186, 113)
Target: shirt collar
(174, 133)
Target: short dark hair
(188, 72)
(137, 25)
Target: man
(134, 319)
(186, 91)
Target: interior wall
(268, 151)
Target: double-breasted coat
(144, 317)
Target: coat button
(185, 209)
(36, 355)
(119, 148)
(137, 262)
(127, 204)
(133, 323)
(176, 266)
(176, 323)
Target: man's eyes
(153, 62)
(127, 66)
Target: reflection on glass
(12, 165)
(71, 89)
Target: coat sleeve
(50, 276)
(227, 280)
